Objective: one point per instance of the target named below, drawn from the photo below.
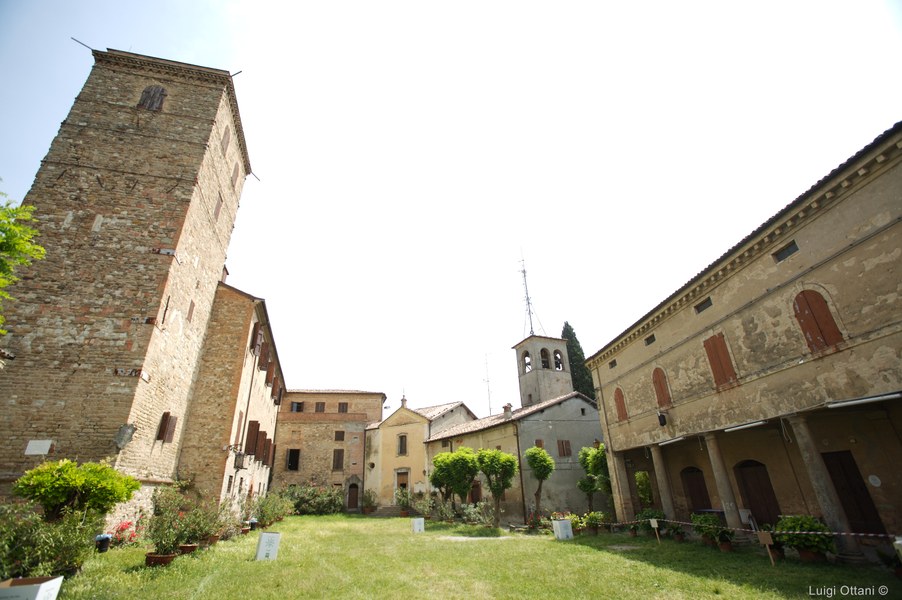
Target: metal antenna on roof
(528, 299)
(488, 387)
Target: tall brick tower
(136, 200)
(544, 369)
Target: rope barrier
(874, 535)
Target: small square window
(320, 407)
(339, 436)
(297, 407)
(612, 364)
(342, 407)
(785, 252)
(650, 340)
(703, 305)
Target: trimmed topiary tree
(542, 466)
(499, 469)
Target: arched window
(152, 98)
(662, 392)
(620, 405)
(558, 361)
(527, 362)
(546, 361)
(816, 321)
(402, 444)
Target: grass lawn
(357, 557)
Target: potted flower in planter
(706, 525)
(164, 527)
(812, 547)
(370, 501)
(403, 499)
(424, 505)
(724, 537)
(677, 532)
(594, 520)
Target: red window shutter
(816, 321)
(256, 339)
(540, 444)
(272, 456)
(620, 405)
(276, 383)
(719, 359)
(240, 425)
(270, 372)
(560, 447)
(164, 425)
(261, 445)
(170, 429)
(250, 441)
(263, 361)
(662, 393)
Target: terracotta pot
(212, 540)
(811, 556)
(707, 540)
(245, 530)
(158, 560)
(187, 548)
(679, 537)
(405, 512)
(725, 546)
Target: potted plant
(164, 526)
(370, 501)
(424, 505)
(677, 532)
(644, 517)
(403, 500)
(578, 523)
(776, 548)
(724, 537)
(594, 520)
(707, 526)
(812, 545)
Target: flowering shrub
(534, 520)
(126, 533)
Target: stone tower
(136, 201)
(544, 369)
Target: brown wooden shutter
(276, 383)
(170, 429)
(540, 444)
(270, 372)
(263, 361)
(256, 339)
(272, 456)
(164, 425)
(250, 442)
(261, 444)
(662, 393)
(620, 405)
(267, 448)
(719, 359)
(816, 321)
(338, 460)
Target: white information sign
(38, 447)
(268, 545)
(418, 524)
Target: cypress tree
(579, 373)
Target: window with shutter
(263, 361)
(294, 459)
(620, 405)
(338, 459)
(250, 441)
(662, 391)
(270, 372)
(261, 445)
(563, 448)
(256, 338)
(170, 429)
(320, 407)
(339, 436)
(240, 425)
(816, 321)
(720, 361)
(152, 98)
(297, 407)
(267, 448)
(164, 424)
(272, 456)
(342, 407)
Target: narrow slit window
(786, 251)
(703, 305)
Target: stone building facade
(543, 368)
(561, 425)
(229, 443)
(136, 200)
(396, 454)
(772, 381)
(320, 439)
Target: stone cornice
(885, 150)
(171, 68)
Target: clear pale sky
(410, 154)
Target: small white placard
(563, 529)
(418, 524)
(38, 447)
(654, 523)
(268, 545)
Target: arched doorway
(695, 489)
(352, 496)
(757, 491)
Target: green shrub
(315, 500)
(706, 524)
(817, 542)
(165, 528)
(61, 485)
(273, 507)
(33, 547)
(645, 515)
(595, 519)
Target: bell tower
(135, 202)
(544, 369)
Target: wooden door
(695, 489)
(757, 491)
(853, 494)
(352, 496)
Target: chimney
(507, 410)
(403, 401)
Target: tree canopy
(454, 472)
(499, 469)
(594, 462)
(542, 466)
(579, 372)
(17, 246)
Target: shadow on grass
(747, 565)
(462, 529)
